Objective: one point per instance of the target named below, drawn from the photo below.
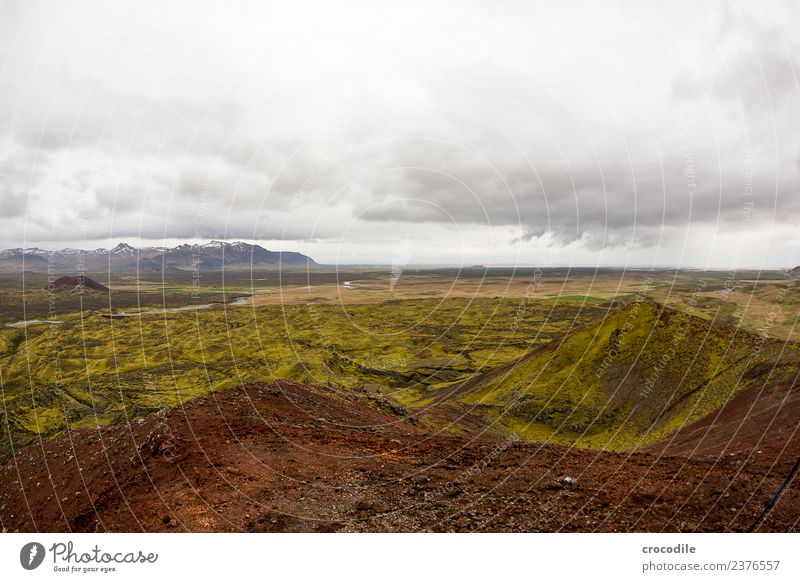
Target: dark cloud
(611, 126)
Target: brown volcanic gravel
(762, 419)
(287, 457)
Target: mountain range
(211, 256)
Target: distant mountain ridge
(214, 255)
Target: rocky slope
(288, 457)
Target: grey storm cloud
(607, 123)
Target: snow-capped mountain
(213, 255)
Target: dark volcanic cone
(77, 284)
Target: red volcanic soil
(288, 457)
(763, 419)
(75, 283)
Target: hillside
(626, 380)
(285, 457)
(19, 261)
(77, 284)
(762, 418)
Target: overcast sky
(596, 133)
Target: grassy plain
(403, 343)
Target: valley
(634, 376)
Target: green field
(525, 359)
(94, 370)
(583, 298)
